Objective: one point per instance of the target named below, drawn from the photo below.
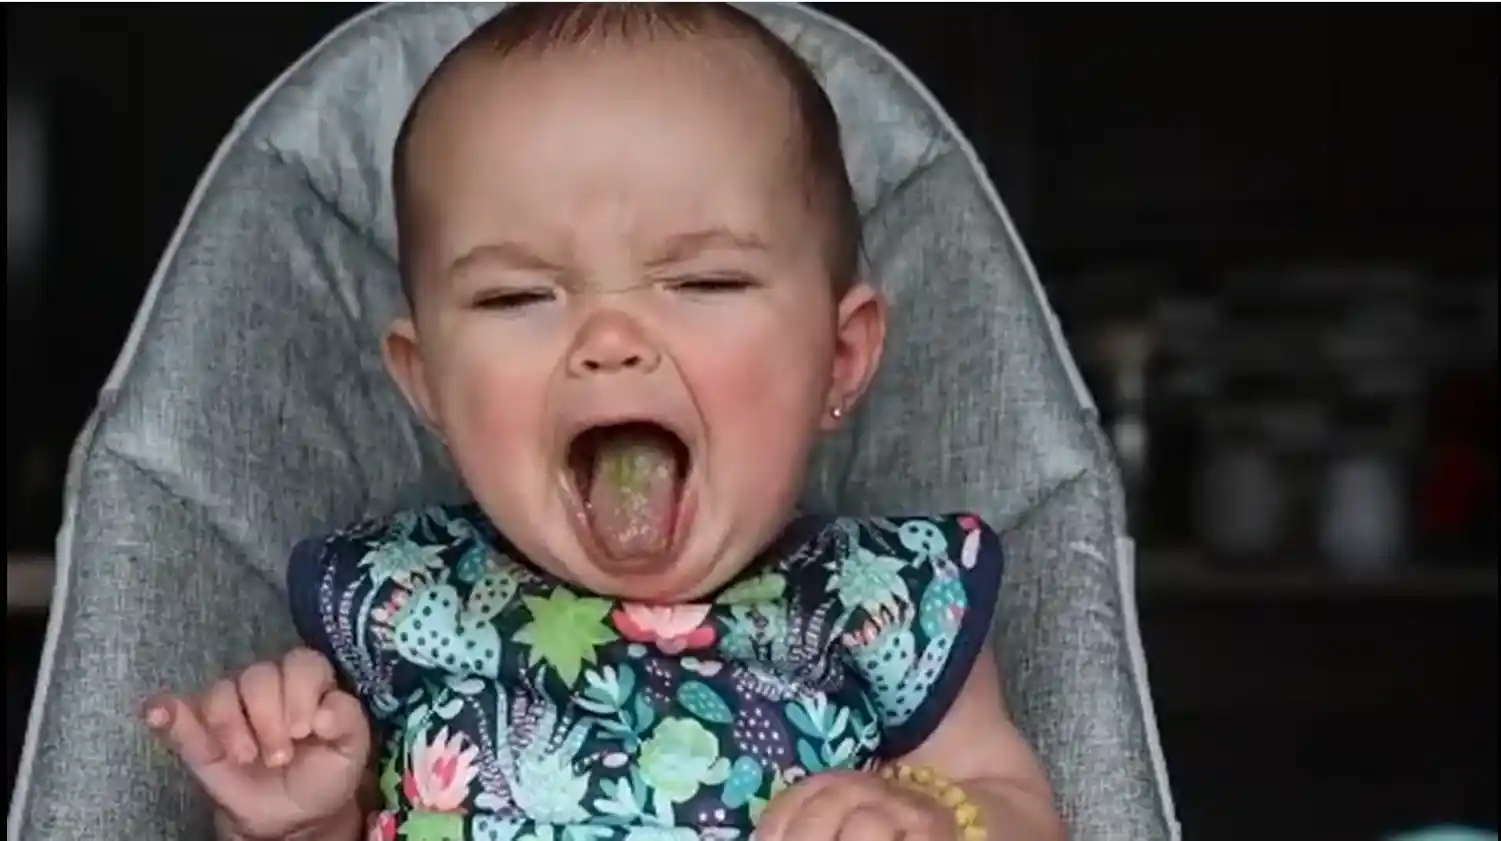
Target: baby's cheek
(742, 386)
(492, 410)
(495, 378)
(760, 401)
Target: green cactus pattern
(512, 707)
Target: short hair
(543, 27)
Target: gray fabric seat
(249, 408)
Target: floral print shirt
(510, 706)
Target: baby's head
(630, 249)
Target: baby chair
(249, 407)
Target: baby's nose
(610, 343)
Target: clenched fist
(279, 748)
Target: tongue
(633, 493)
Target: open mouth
(629, 478)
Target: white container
(1362, 524)
(1243, 504)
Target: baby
(629, 246)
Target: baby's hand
(855, 806)
(280, 749)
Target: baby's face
(615, 244)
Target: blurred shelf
(1185, 575)
(28, 582)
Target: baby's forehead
(746, 69)
(720, 120)
(685, 82)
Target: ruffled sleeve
(305, 579)
(919, 597)
(346, 592)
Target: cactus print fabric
(510, 706)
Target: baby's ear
(860, 335)
(401, 349)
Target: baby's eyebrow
(509, 254)
(505, 253)
(682, 246)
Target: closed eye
(513, 299)
(711, 285)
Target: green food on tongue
(633, 492)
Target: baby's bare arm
(977, 746)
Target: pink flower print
(439, 773)
(385, 613)
(384, 616)
(382, 827)
(969, 553)
(954, 616)
(671, 628)
(876, 624)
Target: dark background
(1292, 207)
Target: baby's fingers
(178, 727)
(224, 716)
(261, 694)
(306, 678)
(340, 721)
(186, 734)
